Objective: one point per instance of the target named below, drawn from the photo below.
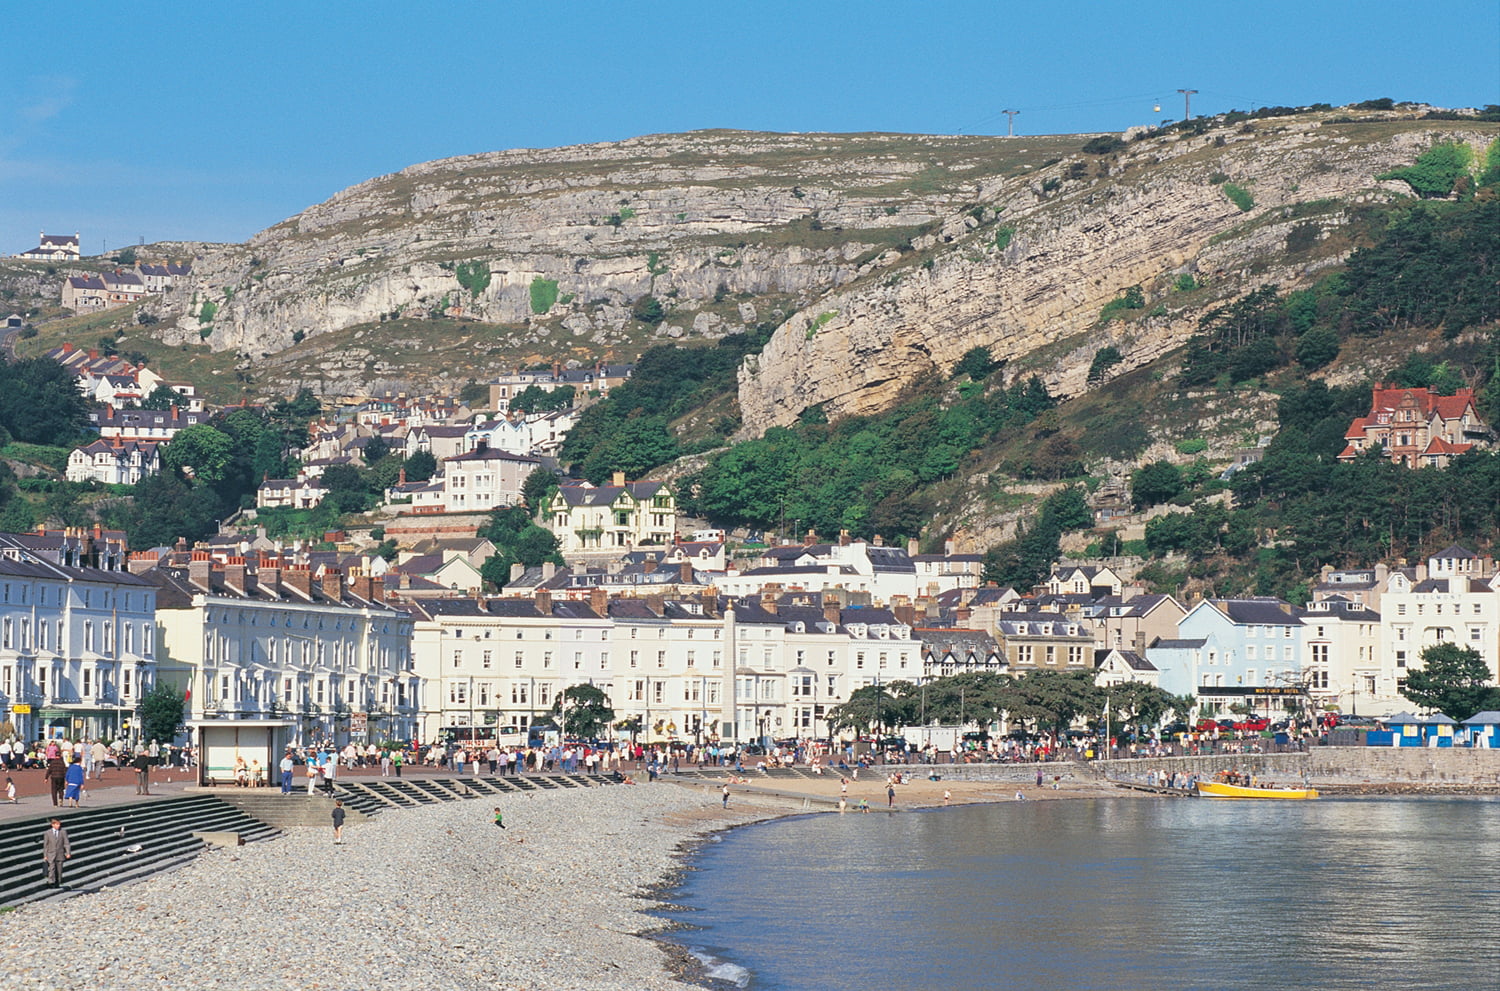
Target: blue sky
(212, 121)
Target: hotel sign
(1253, 691)
(21, 708)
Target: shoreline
(575, 894)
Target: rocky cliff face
(1161, 212)
(685, 218)
(882, 257)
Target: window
(661, 658)
(1250, 652)
(1476, 633)
(1400, 658)
(635, 657)
(691, 660)
(484, 660)
(458, 658)
(519, 658)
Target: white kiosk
(220, 741)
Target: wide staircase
(298, 809)
(116, 844)
(371, 795)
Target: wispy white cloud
(50, 96)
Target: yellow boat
(1217, 789)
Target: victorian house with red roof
(1416, 428)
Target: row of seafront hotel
(86, 629)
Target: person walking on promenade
(890, 795)
(55, 849)
(56, 775)
(338, 821)
(499, 817)
(286, 766)
(725, 793)
(142, 765)
(396, 759)
(74, 778)
(100, 754)
(312, 775)
(10, 792)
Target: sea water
(1112, 893)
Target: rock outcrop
(1161, 213)
(879, 258)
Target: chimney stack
(686, 577)
(843, 538)
(648, 566)
(832, 610)
(333, 584)
(544, 601)
(912, 546)
(599, 601)
(618, 479)
(299, 579)
(200, 568)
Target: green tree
(162, 397)
(160, 712)
(200, 451)
(1453, 680)
(1104, 359)
(41, 403)
(584, 711)
(164, 508)
(977, 363)
(538, 487)
(895, 703)
(347, 488)
(375, 449)
(1157, 482)
(420, 466)
(1317, 347)
(535, 399)
(648, 310)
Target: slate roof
(1256, 612)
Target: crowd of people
(69, 765)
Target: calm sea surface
(1122, 893)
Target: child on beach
(10, 791)
(499, 818)
(338, 821)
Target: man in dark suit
(55, 849)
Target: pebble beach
(434, 897)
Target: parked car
(1252, 724)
